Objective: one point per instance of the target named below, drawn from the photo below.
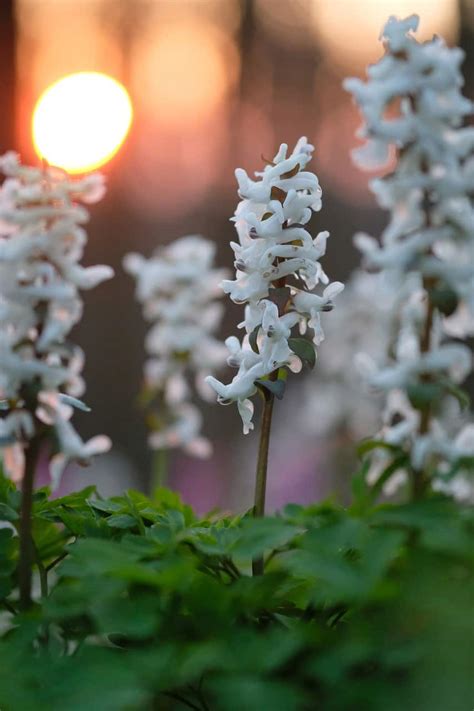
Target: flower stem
(420, 480)
(160, 469)
(26, 541)
(262, 464)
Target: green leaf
(360, 487)
(461, 464)
(444, 299)
(304, 349)
(368, 445)
(107, 505)
(8, 556)
(461, 395)
(122, 521)
(400, 462)
(276, 387)
(49, 539)
(253, 339)
(8, 493)
(261, 534)
(422, 395)
(7, 513)
(252, 693)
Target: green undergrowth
(140, 604)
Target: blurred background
(214, 84)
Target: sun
(81, 121)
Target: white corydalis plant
(277, 274)
(178, 288)
(275, 254)
(41, 245)
(427, 248)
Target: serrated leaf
(304, 349)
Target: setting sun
(80, 121)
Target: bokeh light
(182, 70)
(348, 31)
(80, 121)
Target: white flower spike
(41, 244)
(178, 288)
(413, 107)
(275, 255)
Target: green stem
(160, 469)
(262, 465)
(26, 541)
(420, 480)
(55, 562)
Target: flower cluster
(412, 105)
(178, 287)
(41, 244)
(276, 260)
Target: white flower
(310, 305)
(274, 251)
(73, 448)
(41, 245)
(242, 386)
(178, 288)
(276, 331)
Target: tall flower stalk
(41, 244)
(277, 276)
(178, 288)
(413, 107)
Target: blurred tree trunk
(7, 68)
(246, 42)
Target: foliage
(144, 605)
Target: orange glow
(348, 30)
(80, 121)
(183, 70)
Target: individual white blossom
(178, 288)
(41, 244)
(413, 107)
(275, 251)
